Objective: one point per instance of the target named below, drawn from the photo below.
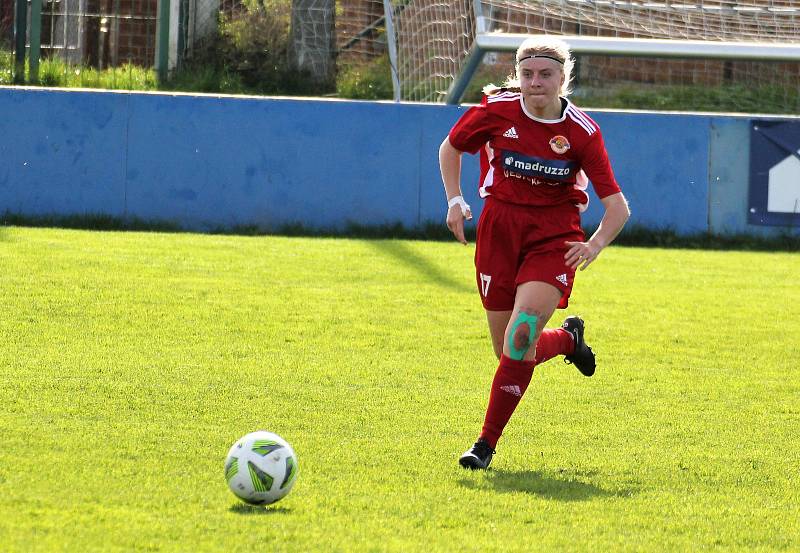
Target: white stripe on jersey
(585, 118)
(580, 119)
(503, 97)
(581, 123)
(495, 100)
(489, 178)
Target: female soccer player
(537, 150)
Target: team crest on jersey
(559, 144)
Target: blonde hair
(541, 45)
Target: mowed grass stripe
(132, 361)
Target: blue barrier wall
(207, 162)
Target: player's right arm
(450, 167)
(469, 134)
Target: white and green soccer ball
(261, 468)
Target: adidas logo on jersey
(513, 390)
(511, 133)
(562, 279)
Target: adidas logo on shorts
(562, 279)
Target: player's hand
(455, 221)
(581, 254)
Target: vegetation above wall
(372, 81)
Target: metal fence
(100, 33)
(110, 33)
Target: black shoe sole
(471, 463)
(589, 372)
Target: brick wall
(6, 22)
(110, 35)
(357, 36)
(137, 35)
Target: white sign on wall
(774, 173)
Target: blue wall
(217, 162)
(661, 163)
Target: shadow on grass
(543, 485)
(258, 510)
(403, 253)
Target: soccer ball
(261, 468)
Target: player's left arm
(582, 254)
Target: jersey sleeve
(597, 167)
(473, 130)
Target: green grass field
(130, 362)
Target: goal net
(434, 39)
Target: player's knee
(522, 336)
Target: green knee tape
(519, 354)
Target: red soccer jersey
(530, 161)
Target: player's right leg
(478, 456)
(534, 305)
(498, 323)
(496, 258)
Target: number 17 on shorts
(485, 281)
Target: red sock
(552, 342)
(509, 384)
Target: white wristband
(459, 200)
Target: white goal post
(633, 46)
(614, 46)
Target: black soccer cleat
(583, 356)
(478, 456)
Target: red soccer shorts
(517, 244)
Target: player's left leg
(535, 303)
(582, 355)
(547, 265)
